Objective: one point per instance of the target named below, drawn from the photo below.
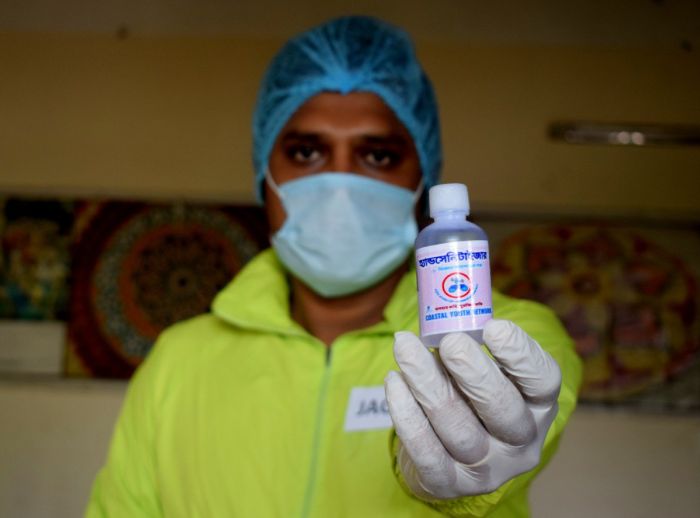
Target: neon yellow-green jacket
(241, 412)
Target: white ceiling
(637, 23)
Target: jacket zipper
(320, 411)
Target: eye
(381, 158)
(302, 153)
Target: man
(272, 405)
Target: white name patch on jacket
(367, 410)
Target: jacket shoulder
(189, 340)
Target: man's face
(353, 133)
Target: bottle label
(454, 287)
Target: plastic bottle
(452, 269)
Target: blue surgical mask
(344, 232)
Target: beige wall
(171, 117)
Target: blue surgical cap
(349, 54)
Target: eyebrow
(391, 139)
(301, 136)
(384, 140)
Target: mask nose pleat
(341, 210)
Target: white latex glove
(467, 426)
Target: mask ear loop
(271, 182)
(419, 192)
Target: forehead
(353, 113)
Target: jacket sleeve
(127, 484)
(540, 323)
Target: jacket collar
(258, 299)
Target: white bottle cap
(448, 197)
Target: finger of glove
(433, 465)
(450, 416)
(497, 401)
(529, 366)
(415, 484)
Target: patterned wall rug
(629, 302)
(138, 268)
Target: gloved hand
(467, 426)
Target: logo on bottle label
(457, 285)
(454, 286)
